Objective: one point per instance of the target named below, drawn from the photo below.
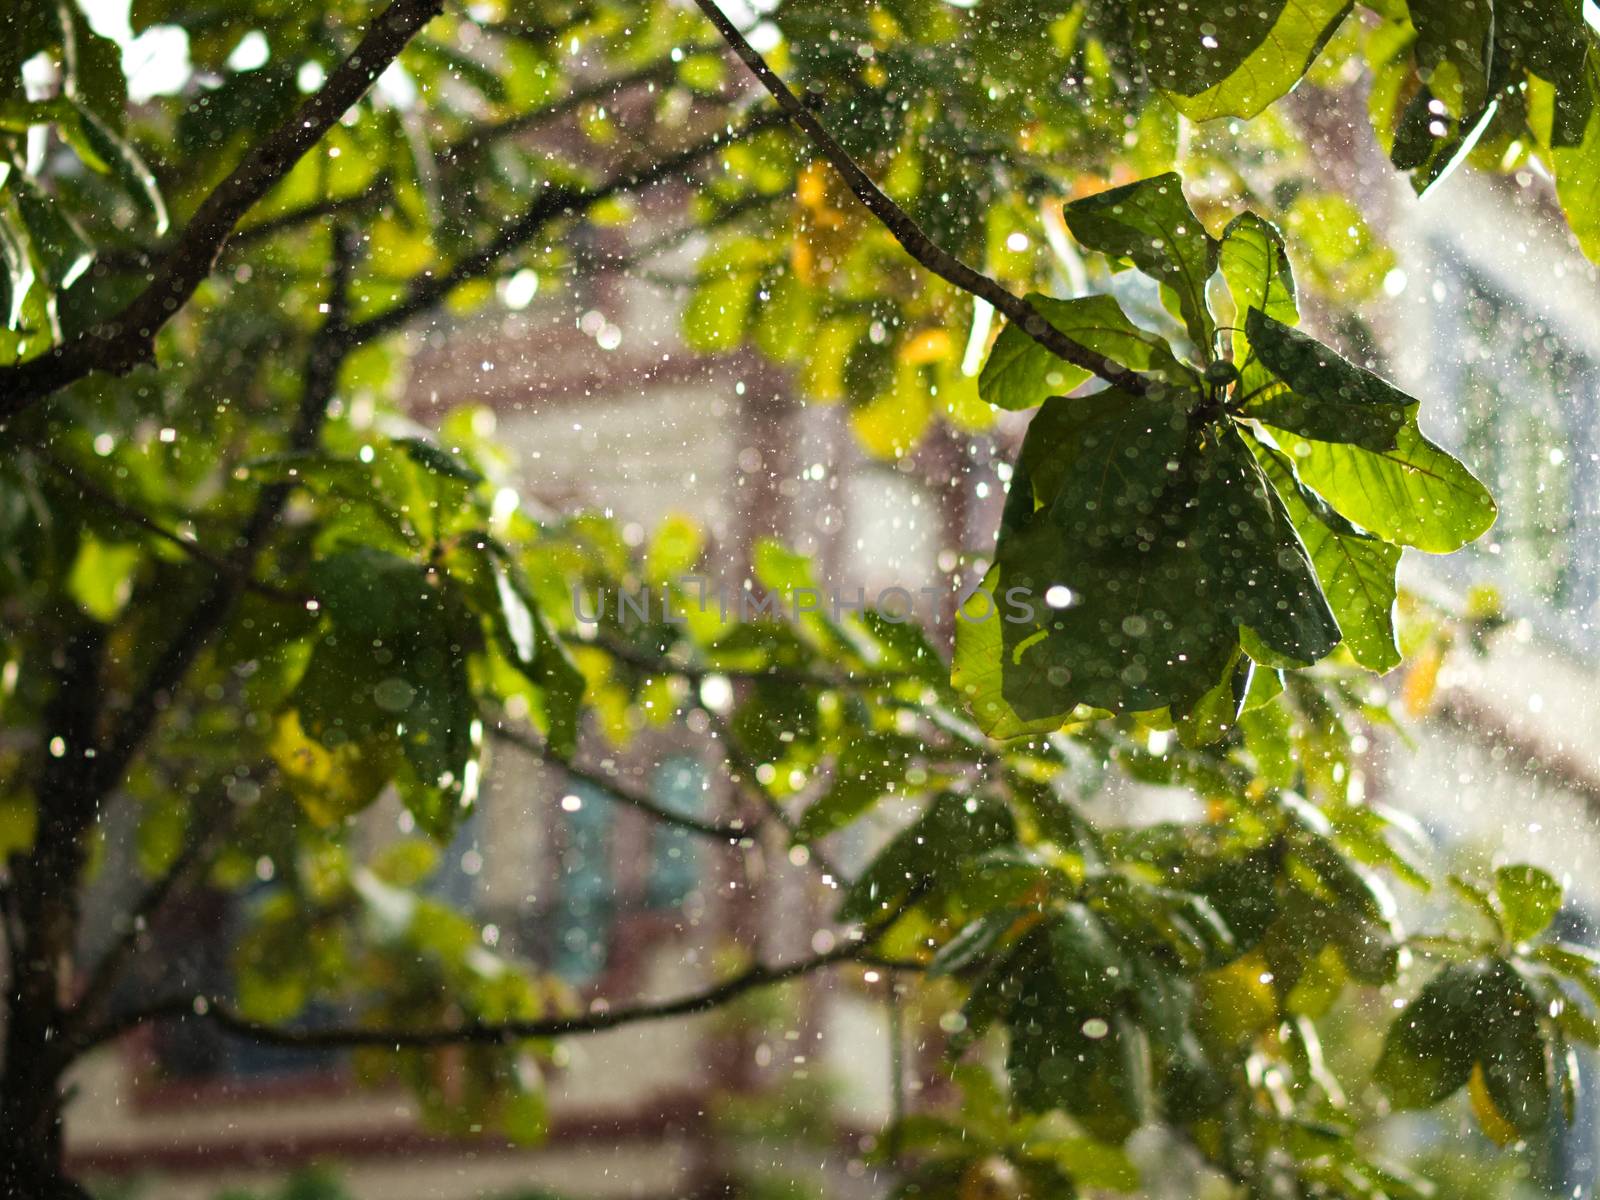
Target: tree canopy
(245, 596)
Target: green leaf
(1353, 888)
(1457, 35)
(525, 1116)
(18, 279)
(924, 857)
(1132, 557)
(1580, 964)
(1263, 574)
(1577, 170)
(62, 250)
(437, 461)
(1094, 1066)
(1020, 373)
(975, 940)
(1256, 268)
(1433, 1043)
(674, 549)
(1215, 713)
(1115, 604)
(1150, 224)
(1528, 898)
(1480, 900)
(1275, 64)
(869, 766)
(1091, 971)
(19, 822)
(995, 993)
(1188, 47)
(1512, 1053)
(125, 163)
(93, 77)
(1431, 146)
(538, 654)
(785, 319)
(1089, 1163)
(1552, 41)
(331, 785)
(979, 670)
(1482, 1013)
(1356, 570)
(1327, 397)
(1416, 494)
(720, 306)
(392, 670)
(102, 577)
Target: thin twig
(657, 664)
(221, 1013)
(128, 339)
(661, 70)
(907, 232)
(614, 789)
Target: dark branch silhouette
(614, 789)
(200, 1006)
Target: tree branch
(661, 70)
(381, 189)
(128, 339)
(696, 673)
(907, 232)
(734, 831)
(220, 1013)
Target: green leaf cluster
(1243, 510)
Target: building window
(679, 786)
(586, 901)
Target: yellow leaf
(1422, 680)
(102, 577)
(329, 784)
(927, 346)
(19, 819)
(674, 549)
(1236, 1003)
(1494, 1125)
(891, 424)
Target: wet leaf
(1150, 224)
(1019, 373)
(1415, 495)
(1528, 899)
(1323, 396)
